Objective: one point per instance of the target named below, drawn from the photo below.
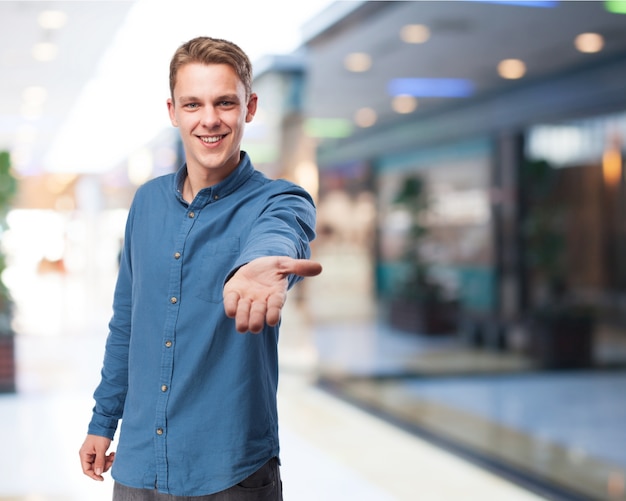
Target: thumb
(99, 462)
(304, 267)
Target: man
(209, 253)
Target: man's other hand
(93, 457)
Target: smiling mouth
(211, 139)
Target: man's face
(210, 109)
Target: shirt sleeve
(110, 394)
(285, 227)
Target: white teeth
(211, 139)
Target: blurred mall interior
(467, 338)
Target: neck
(188, 192)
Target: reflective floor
(561, 431)
(331, 450)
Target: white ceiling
(81, 43)
(88, 126)
(467, 40)
(106, 89)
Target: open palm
(256, 293)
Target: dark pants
(263, 485)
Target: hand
(256, 293)
(93, 457)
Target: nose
(210, 117)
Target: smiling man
(191, 365)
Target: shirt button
(177, 255)
(192, 215)
(159, 431)
(216, 197)
(164, 388)
(168, 344)
(173, 300)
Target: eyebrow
(193, 99)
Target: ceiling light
(404, 104)
(589, 42)
(358, 62)
(35, 95)
(365, 117)
(415, 33)
(512, 69)
(52, 19)
(45, 51)
(430, 87)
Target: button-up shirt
(196, 398)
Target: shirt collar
(235, 179)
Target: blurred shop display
(562, 325)
(8, 187)
(435, 268)
(418, 301)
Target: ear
(171, 110)
(252, 104)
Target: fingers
(231, 302)
(256, 317)
(252, 316)
(275, 305)
(108, 461)
(93, 458)
(256, 293)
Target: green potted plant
(418, 303)
(561, 328)
(8, 186)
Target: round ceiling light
(589, 42)
(415, 33)
(512, 69)
(358, 62)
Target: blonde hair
(207, 50)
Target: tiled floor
(331, 450)
(558, 430)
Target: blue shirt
(196, 398)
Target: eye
(226, 104)
(191, 106)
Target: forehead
(207, 78)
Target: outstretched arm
(255, 294)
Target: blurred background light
(589, 42)
(615, 6)
(415, 33)
(140, 166)
(307, 175)
(431, 87)
(45, 51)
(365, 117)
(52, 19)
(612, 166)
(511, 69)
(404, 104)
(358, 62)
(34, 95)
(327, 127)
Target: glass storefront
(435, 233)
